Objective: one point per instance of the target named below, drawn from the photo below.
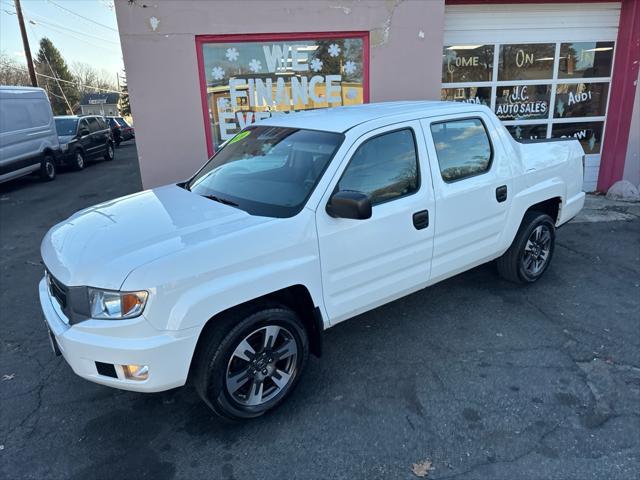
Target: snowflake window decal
(352, 93)
(349, 67)
(255, 65)
(232, 54)
(223, 103)
(334, 50)
(316, 65)
(217, 73)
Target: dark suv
(83, 138)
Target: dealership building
(199, 71)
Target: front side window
(83, 126)
(267, 171)
(462, 147)
(384, 167)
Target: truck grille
(58, 290)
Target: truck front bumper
(90, 345)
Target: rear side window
(463, 148)
(384, 167)
(101, 123)
(93, 124)
(40, 113)
(14, 115)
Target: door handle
(501, 193)
(421, 219)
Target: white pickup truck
(297, 223)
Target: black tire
(526, 263)
(48, 168)
(78, 160)
(109, 153)
(216, 358)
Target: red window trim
(271, 37)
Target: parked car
(298, 223)
(120, 129)
(28, 140)
(83, 138)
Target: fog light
(136, 372)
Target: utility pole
(25, 42)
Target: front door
(472, 183)
(366, 263)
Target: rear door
(98, 142)
(85, 138)
(366, 263)
(472, 183)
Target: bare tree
(92, 80)
(13, 72)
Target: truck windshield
(267, 171)
(66, 126)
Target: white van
(28, 137)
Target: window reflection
(477, 95)
(581, 99)
(588, 133)
(523, 102)
(467, 63)
(528, 132)
(248, 81)
(585, 60)
(526, 61)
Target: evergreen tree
(125, 107)
(49, 62)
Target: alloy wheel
(262, 366)
(537, 250)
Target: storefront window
(248, 81)
(581, 100)
(478, 95)
(467, 63)
(528, 132)
(585, 60)
(589, 134)
(526, 61)
(540, 90)
(523, 102)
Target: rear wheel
(530, 253)
(251, 363)
(48, 169)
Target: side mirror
(83, 132)
(349, 204)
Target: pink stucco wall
(162, 70)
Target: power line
(57, 25)
(61, 80)
(55, 29)
(81, 16)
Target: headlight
(64, 147)
(111, 305)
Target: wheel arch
(296, 297)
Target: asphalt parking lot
(479, 377)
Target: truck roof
(341, 119)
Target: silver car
(28, 137)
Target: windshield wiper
(221, 200)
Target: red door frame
(625, 73)
(272, 37)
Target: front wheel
(78, 160)
(530, 253)
(110, 153)
(249, 364)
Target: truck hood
(101, 245)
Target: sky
(93, 40)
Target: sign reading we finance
(249, 81)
